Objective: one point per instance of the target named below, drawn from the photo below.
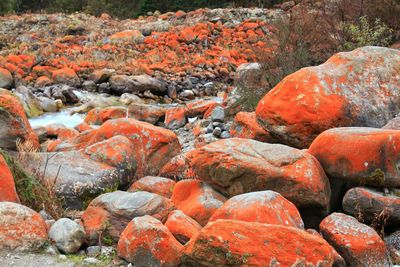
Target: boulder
(47, 104)
(197, 199)
(148, 113)
(98, 116)
(6, 79)
(175, 118)
(200, 107)
(147, 242)
(357, 88)
(7, 184)
(108, 214)
(128, 99)
(21, 229)
(66, 76)
(30, 102)
(67, 235)
(14, 124)
(236, 166)
(154, 184)
(238, 243)
(245, 125)
(129, 36)
(182, 226)
(266, 207)
(368, 156)
(373, 205)
(357, 243)
(101, 76)
(136, 84)
(60, 131)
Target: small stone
(218, 114)
(217, 132)
(67, 235)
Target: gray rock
(225, 135)
(45, 215)
(135, 84)
(89, 86)
(67, 235)
(29, 101)
(128, 99)
(187, 94)
(94, 251)
(6, 79)
(91, 262)
(47, 104)
(101, 76)
(217, 132)
(210, 128)
(218, 114)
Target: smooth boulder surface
(21, 229)
(368, 156)
(108, 214)
(266, 207)
(237, 243)
(7, 184)
(357, 243)
(373, 204)
(357, 88)
(67, 235)
(147, 242)
(236, 166)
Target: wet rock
(357, 243)
(147, 242)
(154, 184)
(67, 235)
(266, 207)
(21, 229)
(357, 88)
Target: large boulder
(108, 214)
(358, 88)
(263, 207)
(6, 79)
(245, 125)
(236, 166)
(147, 242)
(238, 243)
(154, 146)
(98, 116)
(362, 155)
(357, 243)
(373, 205)
(148, 113)
(67, 235)
(66, 76)
(14, 124)
(7, 184)
(21, 229)
(154, 184)
(197, 199)
(136, 84)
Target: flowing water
(61, 117)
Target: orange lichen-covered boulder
(153, 184)
(98, 116)
(148, 113)
(238, 243)
(182, 226)
(371, 204)
(21, 229)
(357, 243)
(118, 151)
(197, 199)
(245, 125)
(6, 79)
(66, 76)
(358, 88)
(154, 146)
(236, 166)
(147, 242)
(366, 155)
(7, 185)
(263, 207)
(59, 131)
(199, 107)
(108, 214)
(134, 36)
(175, 118)
(14, 124)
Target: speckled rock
(67, 235)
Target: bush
(364, 33)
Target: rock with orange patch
(98, 116)
(43, 81)
(370, 204)
(245, 125)
(236, 166)
(135, 84)
(366, 155)
(118, 151)
(83, 127)
(357, 243)
(134, 36)
(182, 226)
(109, 214)
(59, 131)
(148, 113)
(154, 184)
(175, 118)
(6, 79)
(358, 88)
(154, 146)
(199, 107)
(66, 76)
(147, 242)
(14, 124)
(21, 229)
(238, 243)
(7, 185)
(263, 207)
(197, 199)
